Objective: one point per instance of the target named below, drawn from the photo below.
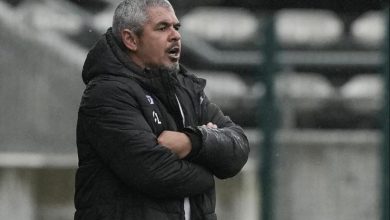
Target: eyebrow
(165, 23)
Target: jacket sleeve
(223, 150)
(122, 138)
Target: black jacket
(124, 174)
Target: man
(149, 141)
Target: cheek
(154, 50)
(157, 45)
(150, 52)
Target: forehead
(161, 14)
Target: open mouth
(174, 53)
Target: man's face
(159, 45)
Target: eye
(177, 27)
(162, 28)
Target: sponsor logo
(156, 118)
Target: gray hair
(132, 14)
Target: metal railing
(269, 117)
(271, 59)
(385, 148)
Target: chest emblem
(150, 99)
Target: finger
(211, 125)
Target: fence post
(385, 147)
(269, 122)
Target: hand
(179, 143)
(210, 125)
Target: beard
(165, 69)
(174, 68)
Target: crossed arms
(157, 166)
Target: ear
(129, 39)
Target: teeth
(173, 50)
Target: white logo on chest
(201, 99)
(156, 118)
(150, 99)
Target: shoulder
(111, 90)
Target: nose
(175, 35)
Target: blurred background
(305, 79)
